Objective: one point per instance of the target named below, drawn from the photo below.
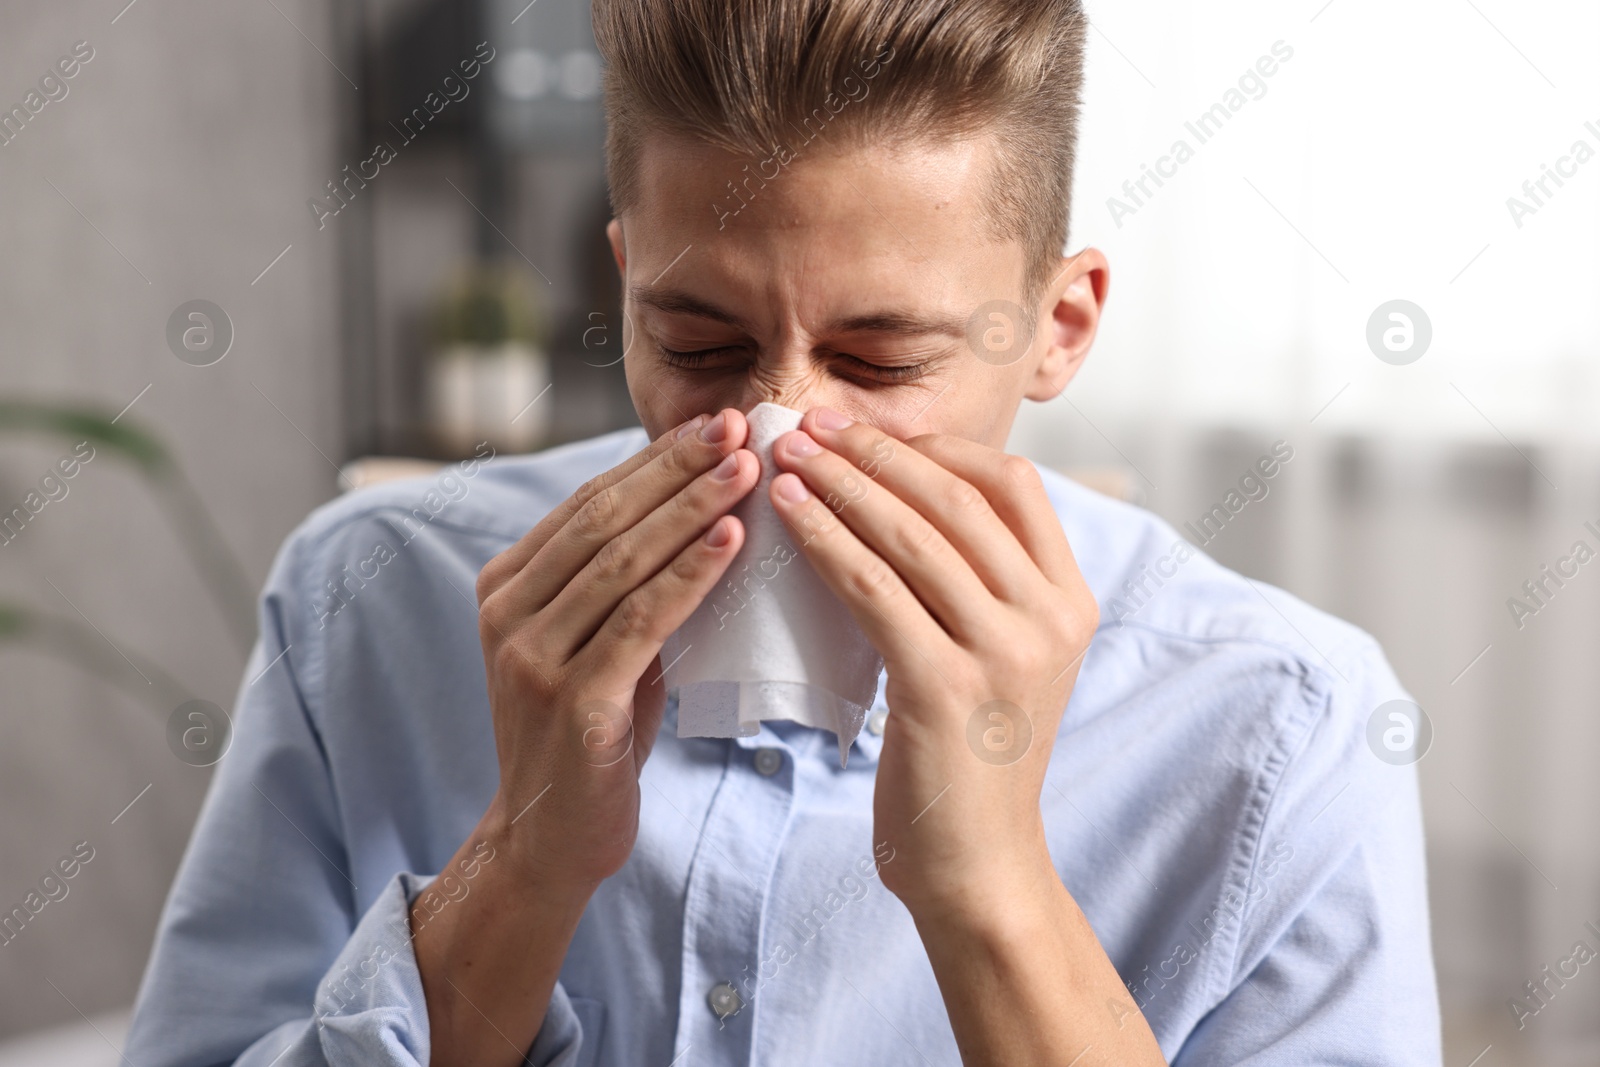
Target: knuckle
(633, 619)
(689, 458)
(1022, 660)
(874, 582)
(962, 497)
(588, 489)
(878, 443)
(684, 568)
(917, 541)
(597, 513)
(489, 579)
(931, 445)
(817, 521)
(493, 617)
(614, 560)
(1019, 476)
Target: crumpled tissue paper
(771, 641)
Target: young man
(1180, 849)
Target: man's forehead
(898, 184)
(905, 226)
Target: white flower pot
(496, 394)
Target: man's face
(863, 281)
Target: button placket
(724, 905)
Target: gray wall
(191, 142)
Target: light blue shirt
(1251, 867)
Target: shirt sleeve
(267, 951)
(1332, 956)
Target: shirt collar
(806, 740)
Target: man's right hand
(572, 619)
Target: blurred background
(1378, 244)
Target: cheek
(664, 398)
(966, 411)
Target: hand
(951, 558)
(572, 621)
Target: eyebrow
(895, 322)
(677, 302)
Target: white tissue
(771, 641)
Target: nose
(798, 401)
(791, 379)
(799, 392)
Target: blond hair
(767, 78)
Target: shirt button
(768, 760)
(876, 723)
(724, 1000)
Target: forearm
(1025, 980)
(490, 960)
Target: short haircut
(757, 76)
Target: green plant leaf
(87, 424)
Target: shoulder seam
(1251, 827)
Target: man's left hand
(953, 561)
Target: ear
(1069, 317)
(618, 250)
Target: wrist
(983, 898)
(526, 860)
(996, 930)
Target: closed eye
(883, 375)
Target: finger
(923, 557)
(628, 560)
(630, 638)
(1014, 489)
(954, 505)
(501, 568)
(883, 606)
(617, 507)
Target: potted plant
(489, 369)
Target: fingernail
(802, 444)
(718, 535)
(727, 468)
(791, 488)
(691, 426)
(716, 429)
(829, 419)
